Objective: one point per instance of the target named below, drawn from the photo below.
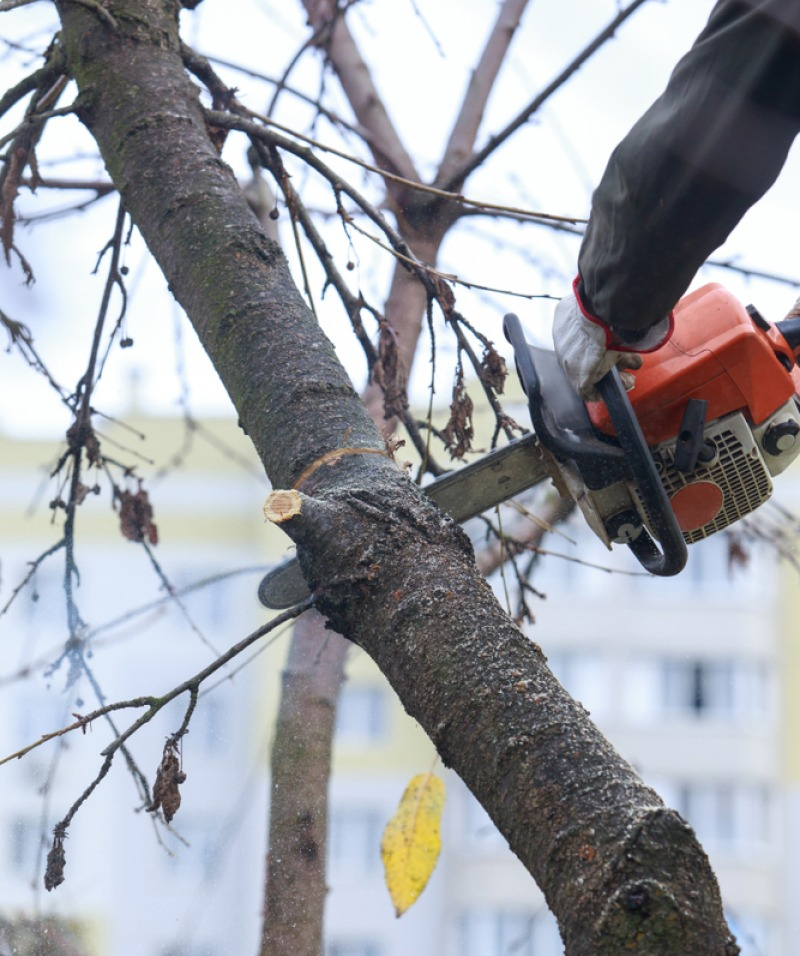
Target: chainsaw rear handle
(672, 558)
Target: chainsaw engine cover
(717, 353)
(744, 372)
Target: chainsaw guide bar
(462, 494)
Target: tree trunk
(301, 760)
(621, 872)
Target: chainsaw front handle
(672, 558)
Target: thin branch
(81, 723)
(197, 64)
(33, 567)
(35, 121)
(195, 681)
(35, 81)
(352, 304)
(228, 121)
(445, 276)
(100, 186)
(489, 559)
(312, 41)
(202, 68)
(433, 284)
(54, 874)
(82, 438)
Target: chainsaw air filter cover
(741, 374)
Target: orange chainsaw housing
(716, 353)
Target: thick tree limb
(462, 137)
(621, 872)
(296, 884)
(538, 101)
(360, 90)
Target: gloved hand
(587, 348)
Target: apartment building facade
(692, 679)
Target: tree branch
(462, 137)
(499, 138)
(361, 92)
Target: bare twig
(54, 874)
(99, 186)
(175, 599)
(229, 121)
(81, 723)
(206, 672)
(35, 81)
(35, 121)
(33, 566)
(198, 64)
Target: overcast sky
(421, 62)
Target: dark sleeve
(706, 150)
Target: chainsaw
(713, 416)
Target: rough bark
(621, 872)
(301, 759)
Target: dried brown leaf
(56, 861)
(493, 369)
(389, 374)
(166, 789)
(459, 431)
(136, 516)
(81, 435)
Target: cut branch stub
(280, 506)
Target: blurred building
(691, 678)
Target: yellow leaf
(411, 841)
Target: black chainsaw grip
(672, 558)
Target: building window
(697, 688)
(354, 843)
(700, 688)
(507, 932)
(353, 948)
(496, 933)
(727, 816)
(361, 715)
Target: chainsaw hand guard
(562, 425)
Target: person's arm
(683, 177)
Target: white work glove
(587, 348)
